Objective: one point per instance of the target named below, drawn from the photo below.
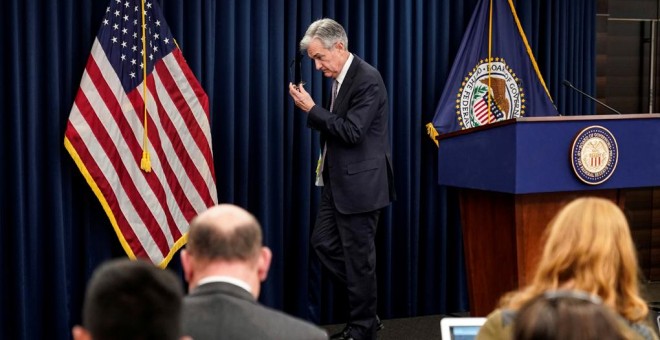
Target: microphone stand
(568, 83)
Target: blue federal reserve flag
(494, 76)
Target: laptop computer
(460, 328)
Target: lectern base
(502, 234)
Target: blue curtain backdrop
(53, 232)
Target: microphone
(568, 83)
(298, 70)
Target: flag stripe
(174, 217)
(199, 101)
(202, 98)
(481, 111)
(170, 71)
(177, 178)
(203, 101)
(164, 156)
(177, 181)
(180, 208)
(102, 183)
(119, 170)
(148, 186)
(177, 154)
(183, 133)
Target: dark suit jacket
(224, 311)
(358, 159)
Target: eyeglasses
(295, 71)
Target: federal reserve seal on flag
(594, 155)
(492, 81)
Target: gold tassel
(145, 163)
(433, 133)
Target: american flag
(481, 111)
(149, 211)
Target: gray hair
(327, 31)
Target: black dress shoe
(345, 334)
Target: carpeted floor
(428, 327)
(418, 328)
(651, 292)
(421, 328)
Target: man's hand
(300, 97)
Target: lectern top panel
(533, 155)
(551, 119)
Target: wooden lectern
(516, 174)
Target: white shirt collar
(226, 279)
(344, 70)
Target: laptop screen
(460, 328)
(463, 332)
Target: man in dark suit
(355, 169)
(128, 300)
(224, 264)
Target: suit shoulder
(366, 71)
(204, 317)
(371, 73)
(292, 327)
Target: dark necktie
(335, 90)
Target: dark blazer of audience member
(568, 315)
(224, 264)
(131, 300)
(588, 247)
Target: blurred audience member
(224, 264)
(588, 247)
(567, 315)
(131, 300)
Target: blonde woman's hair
(588, 247)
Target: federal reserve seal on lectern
(594, 155)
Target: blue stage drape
(53, 231)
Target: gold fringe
(433, 133)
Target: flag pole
(145, 163)
(490, 58)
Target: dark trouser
(345, 246)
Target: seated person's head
(131, 300)
(566, 315)
(588, 247)
(226, 240)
